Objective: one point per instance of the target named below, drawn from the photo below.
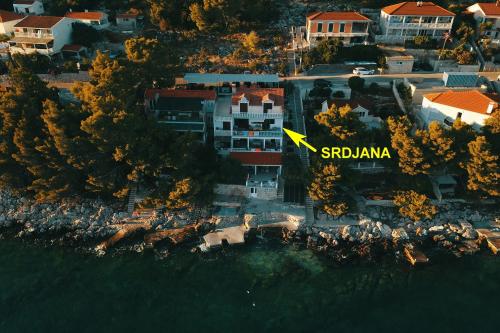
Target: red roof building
(488, 13)
(406, 20)
(350, 27)
(258, 158)
(6, 16)
(257, 96)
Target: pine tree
(21, 128)
(438, 143)
(483, 168)
(342, 124)
(323, 189)
(414, 205)
(412, 157)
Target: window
(226, 125)
(330, 27)
(342, 27)
(27, 10)
(267, 107)
(253, 190)
(243, 107)
(320, 27)
(459, 115)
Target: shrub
(85, 35)
(414, 205)
(356, 83)
(339, 94)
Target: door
(253, 192)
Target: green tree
(439, 143)
(342, 124)
(483, 168)
(251, 41)
(356, 83)
(414, 205)
(412, 159)
(183, 194)
(323, 189)
(152, 61)
(84, 34)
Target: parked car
(322, 83)
(363, 71)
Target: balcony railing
(420, 25)
(219, 132)
(33, 35)
(253, 115)
(265, 134)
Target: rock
(436, 228)
(384, 229)
(455, 228)
(470, 233)
(399, 234)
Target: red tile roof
(489, 8)
(125, 15)
(181, 93)
(470, 100)
(24, 2)
(73, 47)
(411, 8)
(85, 15)
(6, 16)
(353, 103)
(43, 22)
(255, 96)
(337, 16)
(257, 158)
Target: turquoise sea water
(259, 288)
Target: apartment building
(471, 106)
(406, 20)
(97, 20)
(350, 27)
(248, 126)
(182, 110)
(487, 16)
(7, 22)
(45, 35)
(29, 7)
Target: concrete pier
(492, 238)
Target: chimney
(497, 3)
(420, 3)
(492, 106)
(86, 10)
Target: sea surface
(265, 287)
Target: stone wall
(263, 193)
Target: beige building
(399, 64)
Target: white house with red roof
(29, 7)
(46, 35)
(248, 126)
(487, 14)
(350, 27)
(471, 106)
(182, 110)
(127, 21)
(97, 20)
(406, 20)
(7, 22)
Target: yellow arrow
(298, 138)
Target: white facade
(29, 7)
(97, 20)
(126, 21)
(398, 28)
(446, 114)
(7, 27)
(485, 17)
(45, 41)
(248, 126)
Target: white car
(363, 71)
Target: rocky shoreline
(91, 223)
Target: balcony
(221, 132)
(420, 25)
(259, 134)
(254, 115)
(34, 34)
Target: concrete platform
(231, 235)
(492, 239)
